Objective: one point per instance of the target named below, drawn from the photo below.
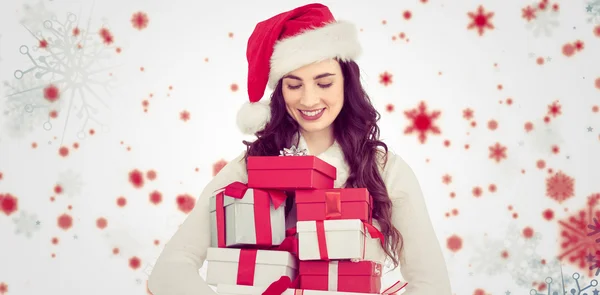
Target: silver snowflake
(71, 62)
(565, 284)
(34, 15)
(593, 10)
(487, 258)
(521, 261)
(70, 182)
(26, 224)
(544, 22)
(26, 108)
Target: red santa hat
(286, 42)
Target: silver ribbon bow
(293, 151)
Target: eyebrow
(315, 78)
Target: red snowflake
(155, 197)
(578, 45)
(43, 44)
(106, 36)
(568, 50)
(477, 192)
(184, 116)
(185, 203)
(468, 114)
(528, 13)
(447, 179)
(454, 243)
(136, 178)
(3, 288)
(554, 109)
(51, 93)
(64, 221)
(101, 223)
(422, 122)
(480, 20)
(560, 186)
(139, 20)
(8, 204)
(497, 152)
(385, 79)
(134, 262)
(389, 107)
(576, 245)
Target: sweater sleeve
(176, 271)
(422, 263)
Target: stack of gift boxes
(333, 249)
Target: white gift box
(226, 289)
(269, 266)
(345, 239)
(240, 228)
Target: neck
(318, 141)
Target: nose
(310, 97)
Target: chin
(314, 127)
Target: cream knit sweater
(176, 269)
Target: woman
(318, 104)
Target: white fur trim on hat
(338, 39)
(253, 117)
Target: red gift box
(289, 172)
(343, 276)
(325, 204)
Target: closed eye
(293, 87)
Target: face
(314, 95)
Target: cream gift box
(248, 266)
(341, 238)
(245, 216)
(226, 289)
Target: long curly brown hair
(356, 131)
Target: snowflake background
(126, 92)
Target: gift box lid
(269, 257)
(247, 199)
(254, 290)
(346, 195)
(330, 225)
(345, 268)
(289, 163)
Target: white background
(173, 48)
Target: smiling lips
(311, 115)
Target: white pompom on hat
(286, 42)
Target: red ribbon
(322, 240)
(374, 233)
(290, 243)
(333, 205)
(262, 215)
(246, 267)
(279, 286)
